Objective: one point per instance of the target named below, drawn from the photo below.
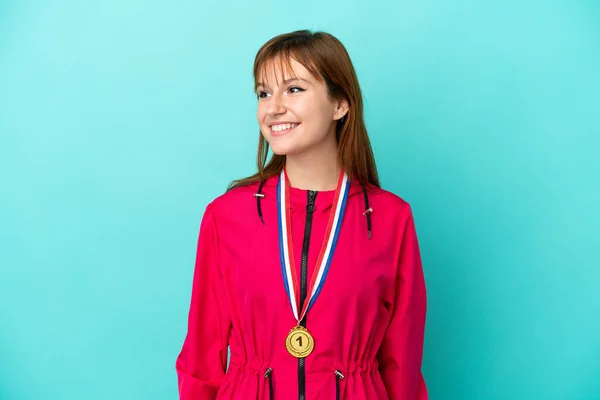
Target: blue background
(120, 121)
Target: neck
(318, 172)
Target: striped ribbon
(288, 269)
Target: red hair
(326, 58)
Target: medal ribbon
(288, 269)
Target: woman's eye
(263, 94)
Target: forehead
(279, 69)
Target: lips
(283, 132)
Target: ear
(341, 109)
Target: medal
(299, 342)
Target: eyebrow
(284, 82)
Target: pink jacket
(368, 321)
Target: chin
(282, 151)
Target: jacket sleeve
(401, 352)
(201, 364)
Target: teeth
(282, 127)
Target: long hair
(326, 58)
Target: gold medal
(299, 342)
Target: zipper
(310, 209)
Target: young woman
(307, 270)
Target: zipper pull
(310, 207)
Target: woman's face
(295, 113)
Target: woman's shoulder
(233, 200)
(389, 201)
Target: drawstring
(366, 213)
(338, 377)
(368, 210)
(259, 196)
(269, 374)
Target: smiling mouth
(281, 132)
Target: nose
(276, 105)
